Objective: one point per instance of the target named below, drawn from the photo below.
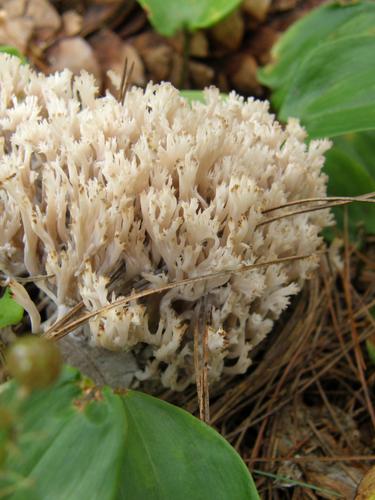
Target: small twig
(29, 279)
(357, 349)
(125, 80)
(308, 210)
(206, 393)
(291, 364)
(57, 334)
(326, 364)
(60, 323)
(197, 364)
(331, 411)
(201, 360)
(361, 198)
(296, 483)
(335, 324)
(333, 458)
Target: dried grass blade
(59, 333)
(357, 348)
(360, 198)
(312, 209)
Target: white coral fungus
(156, 190)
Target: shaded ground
(98, 35)
(304, 410)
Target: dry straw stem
(340, 199)
(332, 202)
(58, 333)
(349, 301)
(125, 80)
(336, 458)
(201, 362)
(311, 356)
(60, 329)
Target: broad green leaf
(11, 313)
(350, 171)
(75, 442)
(361, 147)
(323, 73)
(7, 49)
(66, 451)
(170, 16)
(172, 455)
(328, 23)
(334, 90)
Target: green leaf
(197, 95)
(361, 146)
(170, 16)
(11, 313)
(328, 23)
(350, 167)
(172, 455)
(370, 345)
(64, 451)
(7, 49)
(193, 95)
(323, 73)
(334, 90)
(75, 442)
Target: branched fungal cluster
(94, 192)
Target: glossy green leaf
(11, 313)
(70, 443)
(65, 451)
(323, 73)
(350, 171)
(172, 455)
(328, 23)
(334, 90)
(170, 16)
(361, 147)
